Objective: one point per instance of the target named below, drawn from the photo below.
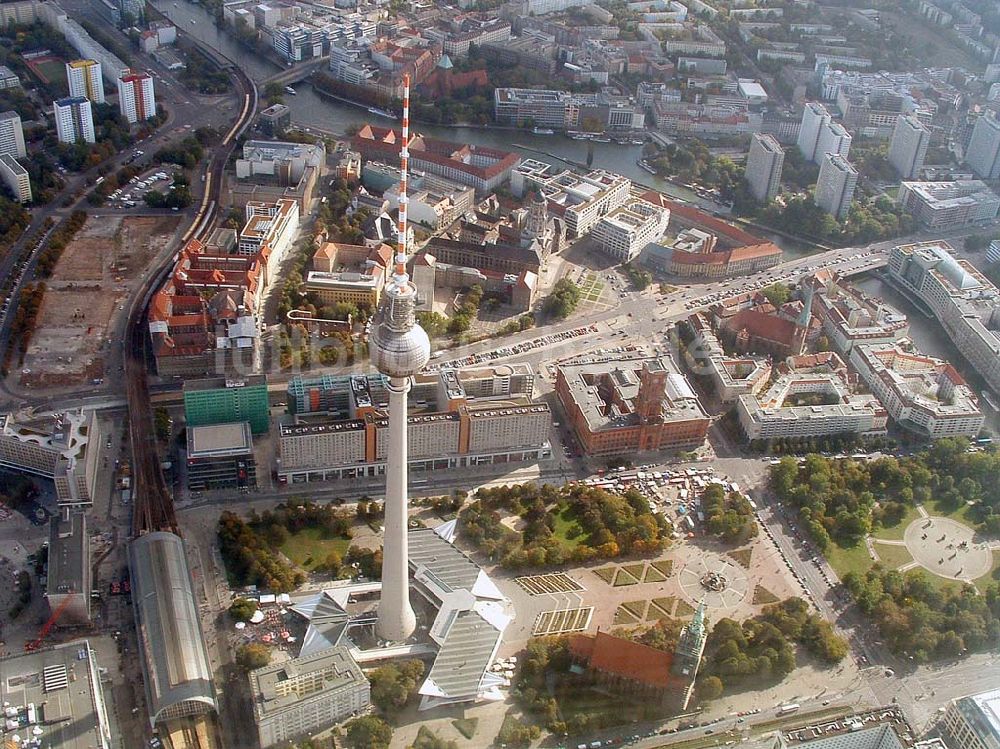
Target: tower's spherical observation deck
(398, 346)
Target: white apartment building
(74, 120)
(940, 205)
(815, 117)
(833, 138)
(908, 147)
(922, 394)
(136, 98)
(835, 186)
(764, 163)
(961, 298)
(301, 696)
(625, 232)
(8, 78)
(11, 135)
(16, 178)
(983, 153)
(84, 79)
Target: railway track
(153, 506)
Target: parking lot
(134, 193)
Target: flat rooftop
(983, 711)
(279, 686)
(219, 440)
(63, 687)
(68, 555)
(223, 383)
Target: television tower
(399, 348)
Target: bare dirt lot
(91, 279)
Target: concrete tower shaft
(399, 349)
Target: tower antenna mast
(404, 168)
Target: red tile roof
(624, 658)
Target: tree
(253, 656)
(368, 732)
(709, 688)
(274, 93)
(563, 300)
(242, 609)
(161, 423)
(777, 294)
(393, 685)
(333, 562)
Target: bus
(786, 709)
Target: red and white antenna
(404, 159)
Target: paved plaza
(946, 548)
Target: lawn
(663, 565)
(590, 287)
(763, 597)
(607, 574)
(308, 548)
(993, 574)
(852, 559)
(741, 556)
(892, 557)
(566, 529)
(961, 513)
(895, 532)
(466, 726)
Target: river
(310, 109)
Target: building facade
(764, 163)
(74, 120)
(625, 407)
(812, 398)
(835, 187)
(12, 135)
(221, 457)
(624, 232)
(307, 694)
(983, 153)
(64, 448)
(973, 723)
(68, 583)
(16, 178)
(84, 80)
(458, 418)
(908, 146)
(964, 302)
(223, 401)
(136, 98)
(943, 205)
(922, 394)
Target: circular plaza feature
(715, 579)
(947, 548)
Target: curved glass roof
(174, 660)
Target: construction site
(84, 300)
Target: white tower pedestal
(396, 620)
